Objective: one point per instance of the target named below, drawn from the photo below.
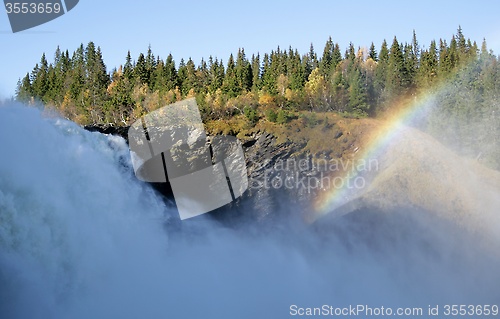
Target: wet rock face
(414, 170)
(108, 129)
(278, 175)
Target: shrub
(271, 116)
(310, 120)
(282, 117)
(251, 114)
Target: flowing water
(80, 237)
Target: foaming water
(80, 237)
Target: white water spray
(80, 237)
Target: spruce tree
(325, 64)
(296, 71)
(358, 97)
(311, 61)
(427, 73)
(372, 54)
(170, 74)
(243, 72)
(24, 91)
(397, 74)
(268, 76)
(216, 72)
(128, 69)
(256, 72)
(140, 70)
(336, 56)
(230, 85)
(381, 75)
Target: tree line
(357, 82)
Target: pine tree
(268, 76)
(158, 80)
(380, 77)
(256, 73)
(427, 73)
(140, 70)
(336, 56)
(410, 65)
(445, 60)
(24, 91)
(350, 54)
(39, 78)
(415, 48)
(325, 64)
(97, 79)
(372, 54)
(340, 91)
(150, 65)
(128, 69)
(484, 49)
(311, 61)
(453, 54)
(397, 74)
(358, 97)
(217, 73)
(120, 104)
(170, 74)
(243, 72)
(203, 77)
(463, 48)
(296, 71)
(188, 79)
(52, 86)
(230, 85)
(77, 75)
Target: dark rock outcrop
(279, 175)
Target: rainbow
(403, 114)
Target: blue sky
(218, 28)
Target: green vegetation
(285, 86)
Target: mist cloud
(80, 237)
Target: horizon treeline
(358, 81)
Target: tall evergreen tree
(427, 73)
(24, 91)
(268, 75)
(40, 78)
(128, 68)
(336, 56)
(217, 73)
(381, 75)
(170, 74)
(230, 85)
(325, 64)
(243, 71)
(372, 54)
(358, 97)
(296, 71)
(189, 79)
(397, 74)
(97, 79)
(140, 70)
(311, 61)
(256, 72)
